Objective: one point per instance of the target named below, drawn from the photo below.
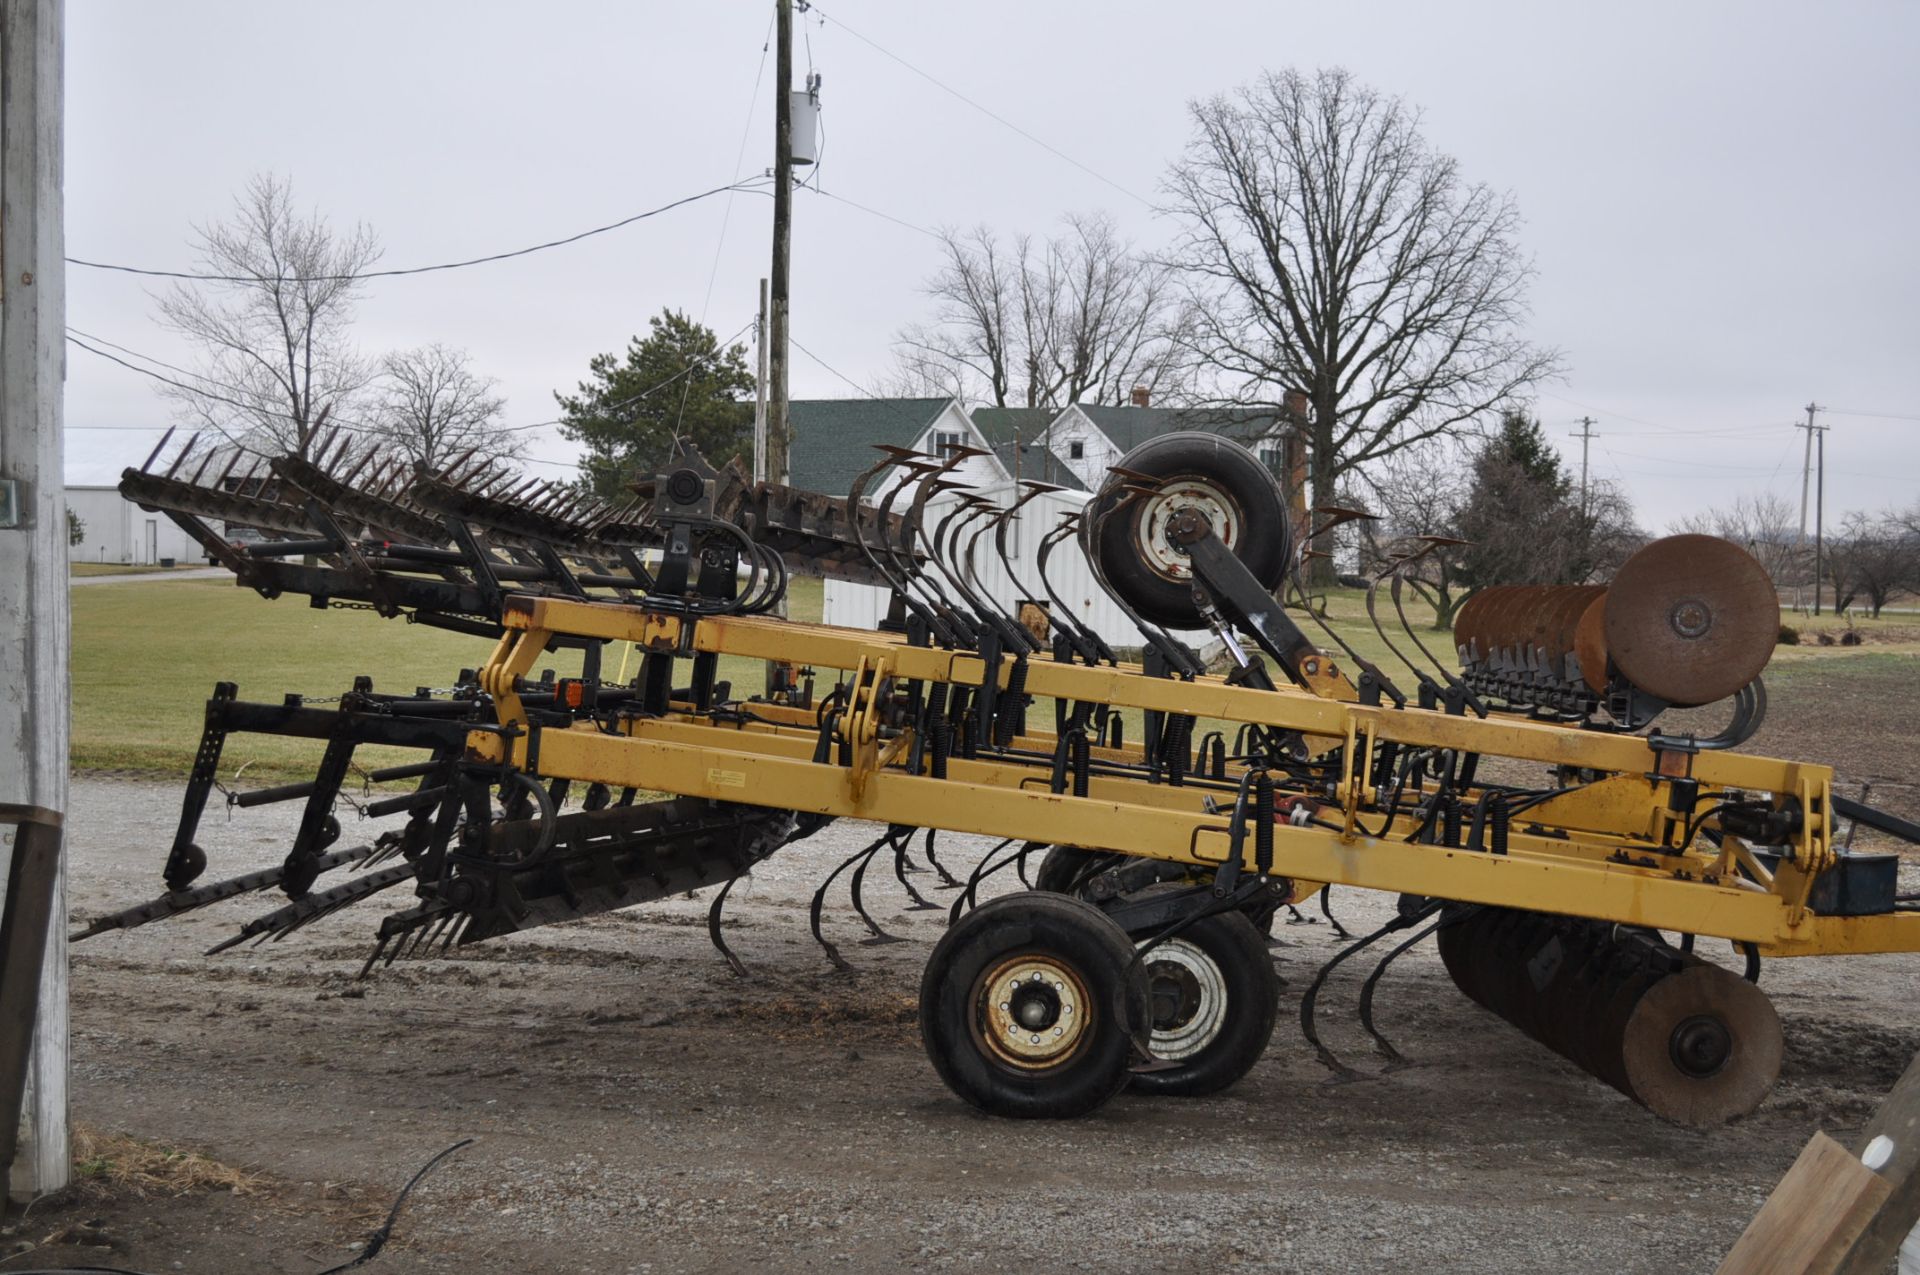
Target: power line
(1588, 407)
(254, 451)
(875, 212)
(996, 117)
(726, 218)
(1692, 464)
(413, 270)
(1885, 416)
(739, 158)
(170, 381)
(864, 391)
(351, 426)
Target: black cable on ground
(375, 1242)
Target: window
(1275, 459)
(1077, 449)
(948, 440)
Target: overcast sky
(1721, 199)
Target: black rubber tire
(1265, 548)
(1066, 931)
(1239, 953)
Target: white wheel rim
(1219, 510)
(1194, 1030)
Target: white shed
(114, 529)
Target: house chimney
(1294, 404)
(1142, 396)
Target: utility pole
(778, 435)
(1806, 474)
(760, 389)
(1820, 516)
(1586, 436)
(34, 1153)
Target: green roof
(834, 438)
(1129, 427)
(1000, 425)
(1039, 463)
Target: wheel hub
(1188, 997)
(1157, 549)
(1034, 1011)
(1700, 1046)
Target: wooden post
(1816, 1213)
(1840, 1212)
(1898, 1120)
(33, 550)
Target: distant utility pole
(760, 389)
(1586, 436)
(778, 437)
(1806, 474)
(35, 1157)
(1820, 516)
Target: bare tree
(271, 321)
(1328, 248)
(1872, 559)
(1765, 525)
(1414, 493)
(434, 409)
(1078, 317)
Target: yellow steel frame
(1604, 850)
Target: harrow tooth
(1393, 1056)
(902, 864)
(146, 466)
(981, 871)
(312, 906)
(1327, 1056)
(1326, 910)
(184, 452)
(820, 899)
(379, 945)
(713, 929)
(176, 902)
(877, 936)
(947, 880)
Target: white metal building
(117, 530)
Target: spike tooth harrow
(1330, 777)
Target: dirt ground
(638, 1108)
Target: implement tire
(1029, 1006)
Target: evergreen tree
(1522, 514)
(676, 384)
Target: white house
(1085, 439)
(114, 529)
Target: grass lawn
(146, 656)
